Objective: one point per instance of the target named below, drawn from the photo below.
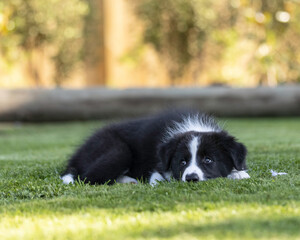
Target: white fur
(156, 178)
(168, 175)
(196, 123)
(193, 167)
(126, 179)
(67, 179)
(235, 174)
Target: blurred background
(149, 43)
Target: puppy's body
(185, 145)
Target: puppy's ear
(236, 151)
(238, 154)
(165, 152)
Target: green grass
(34, 204)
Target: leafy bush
(34, 24)
(259, 37)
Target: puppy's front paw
(238, 175)
(67, 179)
(156, 178)
(126, 179)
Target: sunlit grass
(34, 204)
(227, 221)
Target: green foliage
(34, 204)
(177, 29)
(230, 41)
(33, 24)
(260, 37)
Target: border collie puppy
(186, 146)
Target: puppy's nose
(193, 177)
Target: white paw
(126, 179)
(67, 179)
(154, 182)
(156, 178)
(238, 175)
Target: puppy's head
(197, 156)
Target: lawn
(34, 204)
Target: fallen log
(98, 103)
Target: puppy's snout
(193, 177)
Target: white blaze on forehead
(193, 167)
(193, 123)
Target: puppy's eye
(182, 162)
(207, 160)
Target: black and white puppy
(186, 146)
